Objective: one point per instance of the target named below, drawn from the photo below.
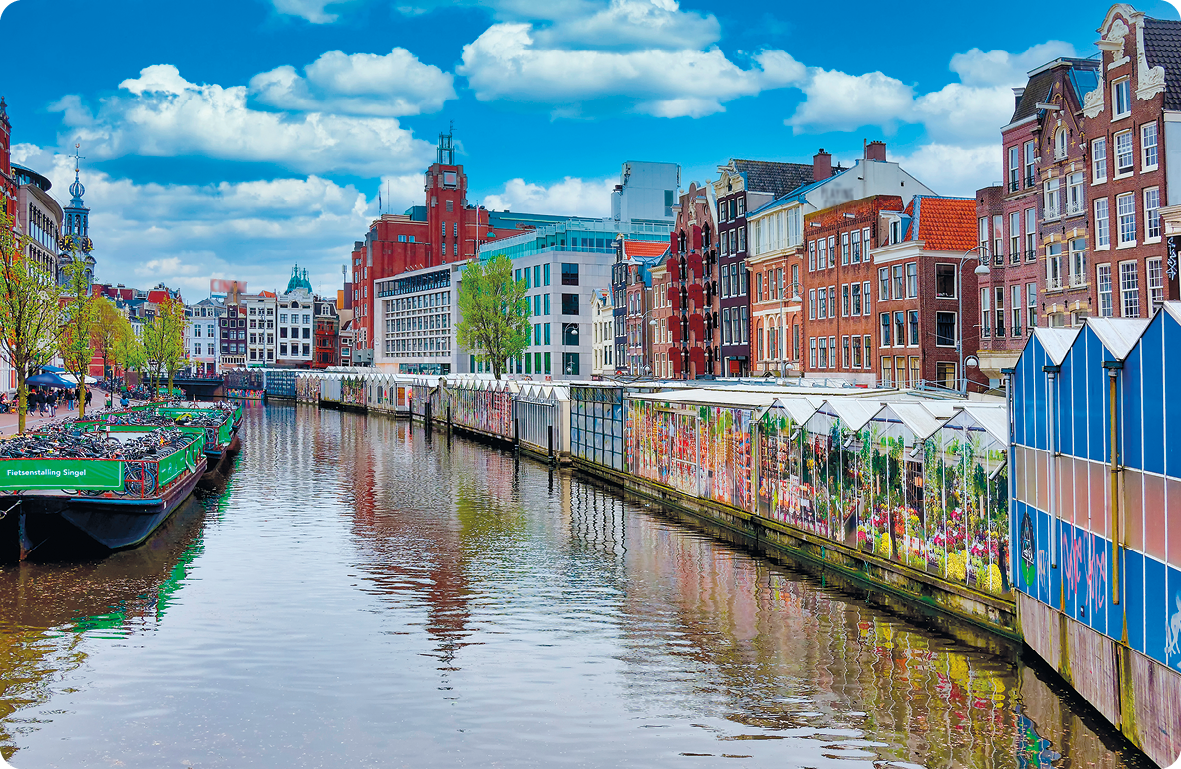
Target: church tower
(75, 239)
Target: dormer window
(895, 231)
(1060, 144)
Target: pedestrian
(51, 400)
(88, 399)
(34, 400)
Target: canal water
(358, 593)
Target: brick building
(639, 259)
(7, 182)
(838, 286)
(1129, 118)
(1034, 226)
(743, 186)
(692, 264)
(445, 229)
(325, 336)
(925, 268)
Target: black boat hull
(108, 523)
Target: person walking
(88, 399)
(34, 400)
(51, 401)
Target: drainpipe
(1113, 368)
(1052, 438)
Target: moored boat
(112, 497)
(220, 420)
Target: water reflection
(363, 593)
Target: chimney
(821, 165)
(876, 151)
(1017, 94)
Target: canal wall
(1096, 496)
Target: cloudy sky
(234, 138)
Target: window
(998, 237)
(1102, 225)
(899, 328)
(1123, 153)
(537, 274)
(1051, 200)
(1014, 169)
(1121, 102)
(823, 352)
(885, 321)
(545, 304)
(945, 329)
(945, 376)
(1099, 160)
(1030, 234)
(887, 372)
(1030, 161)
(811, 256)
(528, 279)
(1078, 262)
(569, 274)
(985, 313)
(1125, 211)
(1016, 309)
(1031, 305)
(545, 274)
(844, 248)
(823, 311)
(742, 278)
(945, 281)
(1060, 144)
(822, 257)
(865, 298)
(883, 283)
(1156, 283)
(1074, 194)
(1053, 267)
(832, 301)
(569, 304)
(726, 336)
(759, 287)
(857, 352)
(867, 351)
(546, 335)
(812, 304)
(1151, 214)
(1103, 280)
(912, 280)
(856, 298)
(845, 300)
(1015, 237)
(1129, 289)
(844, 352)
(1148, 147)
(912, 323)
(856, 238)
(899, 289)
(570, 363)
(745, 322)
(569, 334)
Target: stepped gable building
(742, 186)
(694, 341)
(1034, 227)
(922, 278)
(840, 316)
(1130, 117)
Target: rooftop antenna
(446, 154)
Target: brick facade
(692, 263)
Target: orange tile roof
(946, 224)
(644, 247)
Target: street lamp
(981, 269)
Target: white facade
(646, 190)
(414, 317)
(260, 328)
(603, 334)
(201, 335)
(294, 324)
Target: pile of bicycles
(63, 443)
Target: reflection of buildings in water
(596, 519)
(785, 654)
(47, 609)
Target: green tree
(164, 343)
(109, 323)
(30, 311)
(78, 316)
(128, 351)
(494, 321)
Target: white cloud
(633, 24)
(503, 63)
(835, 101)
(953, 170)
(184, 235)
(168, 116)
(360, 84)
(1001, 68)
(310, 10)
(964, 115)
(569, 197)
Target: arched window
(1060, 144)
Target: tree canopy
(494, 323)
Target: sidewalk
(8, 421)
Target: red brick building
(326, 335)
(692, 265)
(445, 229)
(8, 186)
(1126, 136)
(925, 269)
(1034, 227)
(837, 286)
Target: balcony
(1031, 255)
(1031, 181)
(1050, 214)
(1014, 185)
(1078, 281)
(1075, 209)
(1053, 284)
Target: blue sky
(233, 139)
